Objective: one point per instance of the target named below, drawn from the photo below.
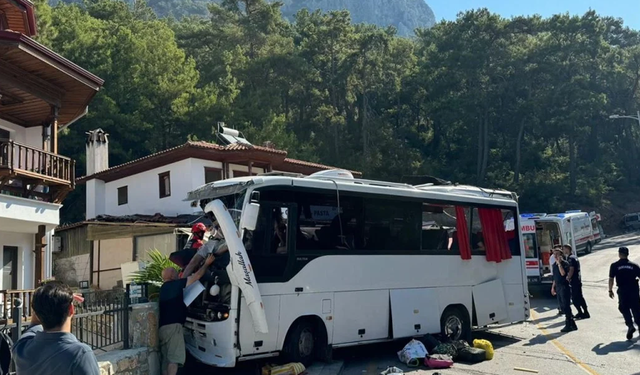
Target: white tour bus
(330, 261)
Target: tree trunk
(516, 169)
(485, 147)
(572, 166)
(365, 136)
(480, 144)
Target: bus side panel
(489, 300)
(361, 316)
(250, 340)
(415, 312)
(293, 306)
(516, 309)
(448, 296)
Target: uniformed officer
(575, 281)
(626, 274)
(561, 287)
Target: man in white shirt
(552, 260)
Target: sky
(628, 10)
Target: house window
(164, 180)
(123, 195)
(212, 174)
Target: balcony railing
(6, 304)
(39, 165)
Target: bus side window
(322, 225)
(477, 240)
(392, 224)
(439, 227)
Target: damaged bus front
(230, 288)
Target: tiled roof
(314, 165)
(276, 158)
(137, 219)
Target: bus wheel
(455, 324)
(301, 343)
(589, 248)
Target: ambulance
(542, 232)
(598, 233)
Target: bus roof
(460, 193)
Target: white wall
(24, 215)
(25, 243)
(95, 198)
(27, 136)
(143, 190)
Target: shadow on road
(615, 347)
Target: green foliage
(152, 273)
(522, 103)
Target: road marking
(560, 347)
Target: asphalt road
(599, 347)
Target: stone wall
(143, 357)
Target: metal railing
(32, 162)
(102, 320)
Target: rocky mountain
(405, 15)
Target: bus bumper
(211, 343)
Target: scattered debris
(392, 371)
(525, 370)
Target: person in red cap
(182, 257)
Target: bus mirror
(250, 216)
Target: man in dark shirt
(561, 286)
(575, 281)
(626, 275)
(48, 347)
(173, 314)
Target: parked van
(632, 221)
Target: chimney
(97, 151)
(97, 161)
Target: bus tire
(301, 343)
(455, 324)
(589, 248)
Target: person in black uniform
(575, 281)
(626, 274)
(561, 287)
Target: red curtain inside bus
(462, 231)
(495, 237)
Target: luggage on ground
(438, 361)
(486, 345)
(412, 353)
(471, 355)
(429, 342)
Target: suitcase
(471, 355)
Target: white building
(40, 94)
(159, 183)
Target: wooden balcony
(34, 173)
